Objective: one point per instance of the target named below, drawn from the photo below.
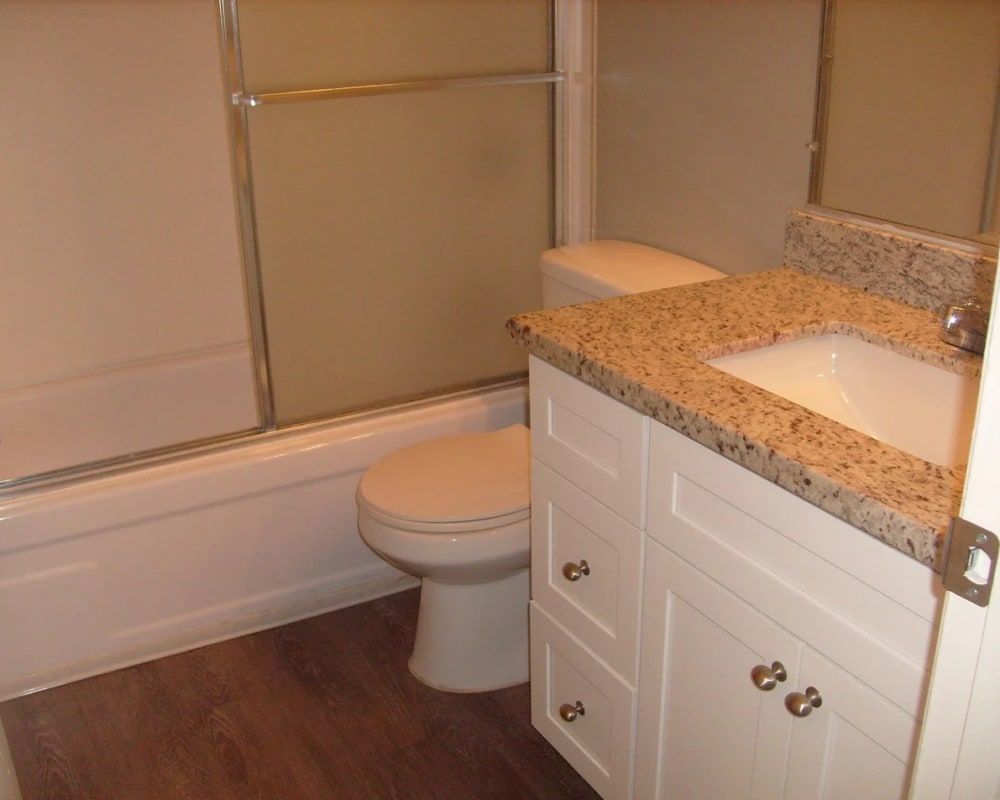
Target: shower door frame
(572, 31)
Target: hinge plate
(971, 561)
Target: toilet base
(472, 637)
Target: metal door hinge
(970, 561)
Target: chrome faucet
(963, 324)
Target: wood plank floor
(323, 708)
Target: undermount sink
(924, 410)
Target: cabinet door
(856, 744)
(705, 731)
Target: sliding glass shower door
(123, 330)
(399, 168)
(387, 233)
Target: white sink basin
(922, 409)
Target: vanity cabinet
(698, 632)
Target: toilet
(454, 511)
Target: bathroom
(632, 202)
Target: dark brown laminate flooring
(323, 708)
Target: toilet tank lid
(608, 268)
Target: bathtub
(152, 560)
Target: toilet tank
(597, 270)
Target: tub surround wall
(647, 351)
(885, 260)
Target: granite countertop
(647, 350)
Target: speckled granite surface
(920, 273)
(647, 350)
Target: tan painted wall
(911, 105)
(704, 113)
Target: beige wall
(118, 234)
(704, 113)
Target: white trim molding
(575, 56)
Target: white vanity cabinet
(683, 659)
(757, 606)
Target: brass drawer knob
(766, 678)
(570, 713)
(801, 705)
(573, 572)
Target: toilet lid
(453, 478)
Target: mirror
(904, 83)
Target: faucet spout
(964, 325)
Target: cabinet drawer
(598, 743)
(596, 442)
(586, 569)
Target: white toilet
(454, 511)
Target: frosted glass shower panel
(293, 44)
(396, 234)
(124, 324)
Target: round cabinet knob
(573, 572)
(570, 713)
(801, 705)
(766, 678)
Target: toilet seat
(451, 484)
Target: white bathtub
(158, 559)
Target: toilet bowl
(455, 511)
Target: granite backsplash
(885, 260)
